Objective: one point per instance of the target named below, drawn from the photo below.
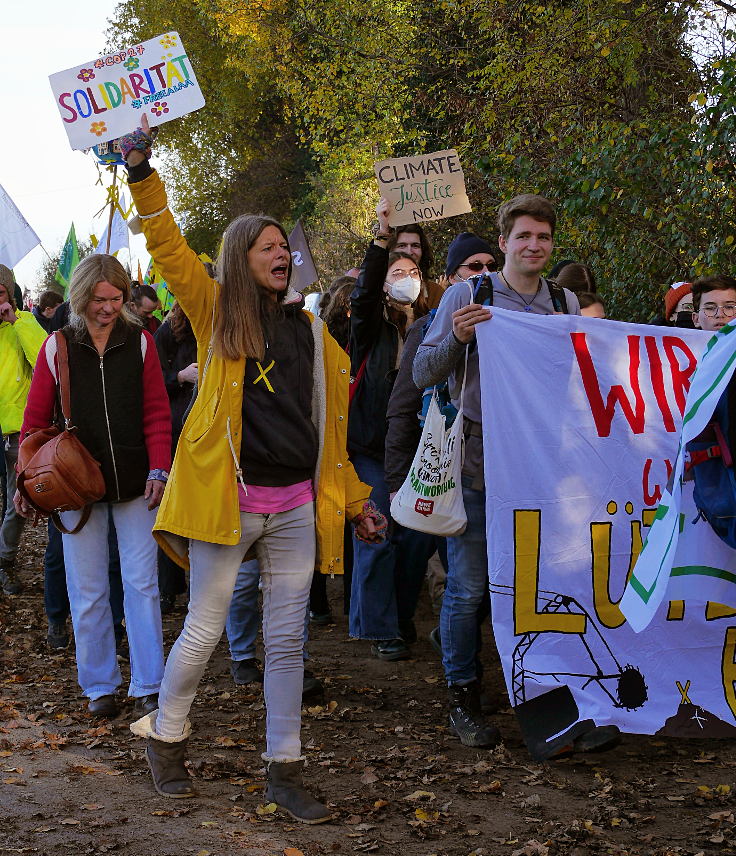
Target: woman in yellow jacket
(261, 462)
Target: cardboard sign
(104, 98)
(423, 187)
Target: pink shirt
(272, 500)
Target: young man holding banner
(526, 225)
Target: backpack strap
(559, 298)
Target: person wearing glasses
(714, 302)
(412, 239)
(526, 224)
(387, 299)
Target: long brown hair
(243, 305)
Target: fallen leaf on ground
(420, 795)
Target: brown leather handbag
(55, 471)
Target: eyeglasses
(477, 267)
(710, 310)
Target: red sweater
(39, 412)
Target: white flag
(17, 238)
(673, 562)
(119, 233)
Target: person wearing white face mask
(386, 301)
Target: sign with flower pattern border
(105, 98)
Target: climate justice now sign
(423, 187)
(104, 98)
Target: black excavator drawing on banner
(552, 720)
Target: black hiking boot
(466, 717)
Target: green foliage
(620, 111)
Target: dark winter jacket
(371, 334)
(404, 406)
(174, 356)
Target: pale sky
(51, 184)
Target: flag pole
(112, 208)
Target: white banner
(581, 424)
(17, 238)
(103, 99)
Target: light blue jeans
(244, 617)
(467, 584)
(86, 557)
(285, 549)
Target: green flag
(68, 260)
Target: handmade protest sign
(104, 98)
(578, 456)
(423, 187)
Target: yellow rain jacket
(19, 347)
(201, 497)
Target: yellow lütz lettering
(728, 668)
(648, 515)
(718, 610)
(527, 531)
(606, 609)
(676, 610)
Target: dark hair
(420, 307)
(425, 263)
(705, 284)
(577, 277)
(589, 298)
(334, 308)
(526, 205)
(48, 299)
(138, 292)
(179, 323)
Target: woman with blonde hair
(261, 462)
(120, 410)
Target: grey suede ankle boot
(286, 790)
(166, 761)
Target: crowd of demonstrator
(290, 432)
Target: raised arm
(173, 257)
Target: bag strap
(86, 511)
(559, 299)
(62, 356)
(355, 381)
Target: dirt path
(379, 752)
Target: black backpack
(483, 292)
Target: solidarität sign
(423, 187)
(104, 98)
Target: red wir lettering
(603, 413)
(655, 364)
(680, 377)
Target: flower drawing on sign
(132, 63)
(98, 128)
(168, 41)
(159, 108)
(86, 74)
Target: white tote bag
(431, 497)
